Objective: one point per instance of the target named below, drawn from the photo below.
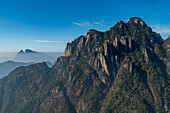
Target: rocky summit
(122, 70)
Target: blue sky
(47, 25)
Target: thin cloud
(125, 20)
(48, 41)
(156, 26)
(100, 25)
(96, 23)
(99, 22)
(83, 24)
(162, 29)
(87, 24)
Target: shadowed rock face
(124, 69)
(167, 49)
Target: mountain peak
(137, 20)
(20, 52)
(32, 56)
(93, 32)
(122, 35)
(26, 51)
(120, 22)
(30, 51)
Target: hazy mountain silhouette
(32, 56)
(8, 66)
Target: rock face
(124, 69)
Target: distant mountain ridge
(24, 58)
(8, 66)
(122, 70)
(32, 56)
(26, 51)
